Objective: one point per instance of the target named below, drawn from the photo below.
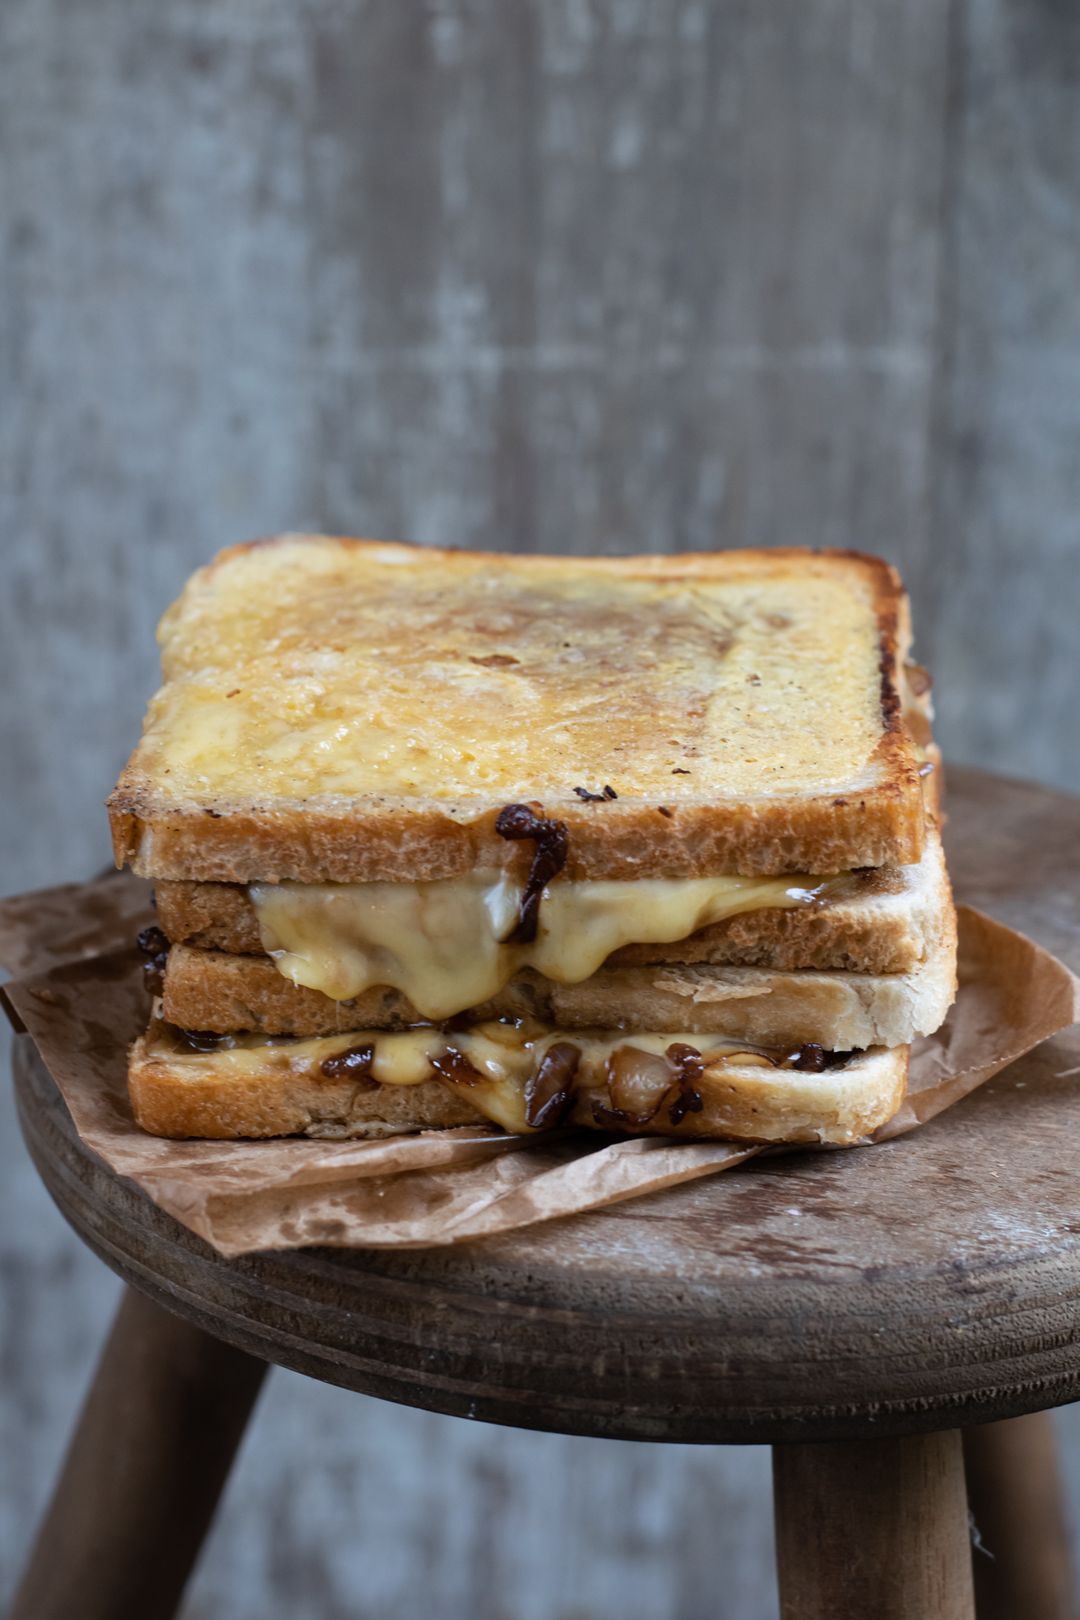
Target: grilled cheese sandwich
(494, 827)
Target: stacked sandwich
(439, 838)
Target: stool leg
(144, 1469)
(1014, 1488)
(873, 1527)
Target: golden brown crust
(401, 842)
(690, 827)
(743, 1104)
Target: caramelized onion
(689, 1067)
(549, 1094)
(552, 842)
(200, 1040)
(454, 1066)
(352, 1064)
(151, 940)
(637, 1083)
(155, 949)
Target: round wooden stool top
(930, 1282)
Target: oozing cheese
(439, 943)
(504, 1056)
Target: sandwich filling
(522, 1077)
(453, 944)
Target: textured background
(582, 274)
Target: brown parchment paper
(78, 994)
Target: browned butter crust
(673, 681)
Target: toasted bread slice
(215, 991)
(266, 1090)
(884, 920)
(345, 710)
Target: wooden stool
(853, 1310)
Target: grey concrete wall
(571, 276)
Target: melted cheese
(439, 943)
(505, 1056)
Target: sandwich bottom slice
(525, 1077)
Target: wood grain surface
(1016, 1501)
(875, 1530)
(507, 273)
(924, 1283)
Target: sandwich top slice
(647, 845)
(350, 711)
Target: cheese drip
(440, 943)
